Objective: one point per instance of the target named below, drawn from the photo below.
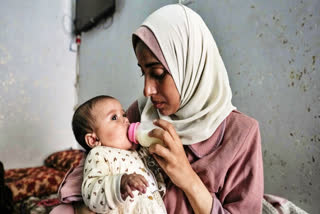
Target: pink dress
(229, 163)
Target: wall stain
(8, 82)
(313, 60)
(5, 56)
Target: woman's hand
(172, 157)
(174, 162)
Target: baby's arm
(103, 187)
(100, 188)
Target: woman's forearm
(199, 196)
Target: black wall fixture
(90, 12)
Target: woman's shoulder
(240, 121)
(232, 133)
(240, 129)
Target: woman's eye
(156, 73)
(114, 117)
(159, 76)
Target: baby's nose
(125, 120)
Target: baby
(113, 169)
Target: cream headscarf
(198, 71)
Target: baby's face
(111, 124)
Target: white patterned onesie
(103, 170)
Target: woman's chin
(164, 112)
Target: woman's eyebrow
(150, 64)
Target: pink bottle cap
(132, 132)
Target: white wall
(37, 73)
(272, 53)
(107, 61)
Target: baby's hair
(83, 120)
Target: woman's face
(158, 82)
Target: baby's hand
(132, 182)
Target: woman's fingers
(161, 134)
(171, 158)
(169, 136)
(160, 160)
(168, 153)
(167, 126)
(166, 134)
(160, 151)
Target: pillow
(35, 181)
(64, 160)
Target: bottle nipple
(132, 132)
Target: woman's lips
(158, 105)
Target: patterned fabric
(35, 205)
(152, 165)
(64, 160)
(103, 170)
(43, 180)
(37, 181)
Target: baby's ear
(91, 140)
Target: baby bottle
(138, 133)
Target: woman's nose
(149, 87)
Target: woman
(213, 152)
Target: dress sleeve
(100, 187)
(244, 182)
(70, 188)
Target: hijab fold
(182, 42)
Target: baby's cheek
(119, 134)
(114, 135)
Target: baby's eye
(124, 115)
(114, 117)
